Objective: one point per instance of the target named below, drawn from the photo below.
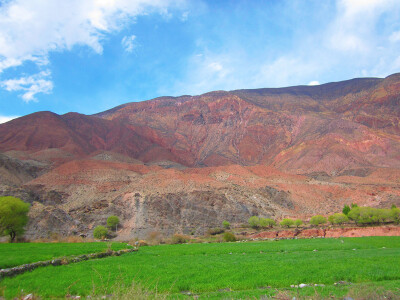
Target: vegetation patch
(234, 270)
(12, 255)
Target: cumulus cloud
(30, 29)
(128, 42)
(314, 82)
(4, 119)
(30, 85)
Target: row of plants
(354, 213)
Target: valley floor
(366, 267)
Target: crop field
(233, 270)
(12, 255)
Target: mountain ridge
(189, 162)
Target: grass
(232, 270)
(17, 254)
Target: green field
(234, 270)
(12, 255)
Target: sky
(88, 56)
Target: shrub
(383, 215)
(113, 222)
(215, 231)
(154, 238)
(100, 232)
(370, 215)
(13, 216)
(354, 214)
(338, 218)
(226, 224)
(229, 237)
(393, 206)
(267, 222)
(317, 220)
(298, 223)
(179, 239)
(346, 209)
(254, 222)
(287, 223)
(395, 215)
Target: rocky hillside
(187, 163)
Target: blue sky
(91, 55)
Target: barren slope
(188, 163)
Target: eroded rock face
(185, 164)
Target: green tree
(338, 218)
(384, 215)
(113, 222)
(226, 224)
(346, 209)
(286, 223)
(254, 222)
(298, 223)
(100, 232)
(353, 205)
(13, 216)
(229, 237)
(395, 215)
(365, 215)
(317, 220)
(393, 206)
(354, 214)
(267, 222)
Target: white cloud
(351, 40)
(354, 27)
(128, 42)
(30, 86)
(4, 119)
(314, 82)
(185, 16)
(30, 29)
(215, 67)
(395, 36)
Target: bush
(338, 218)
(267, 222)
(383, 215)
(395, 215)
(298, 223)
(287, 223)
(179, 239)
(13, 216)
(254, 222)
(317, 220)
(354, 214)
(113, 222)
(229, 237)
(226, 224)
(154, 238)
(346, 209)
(100, 232)
(370, 215)
(215, 231)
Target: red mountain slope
(188, 163)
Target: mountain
(187, 163)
